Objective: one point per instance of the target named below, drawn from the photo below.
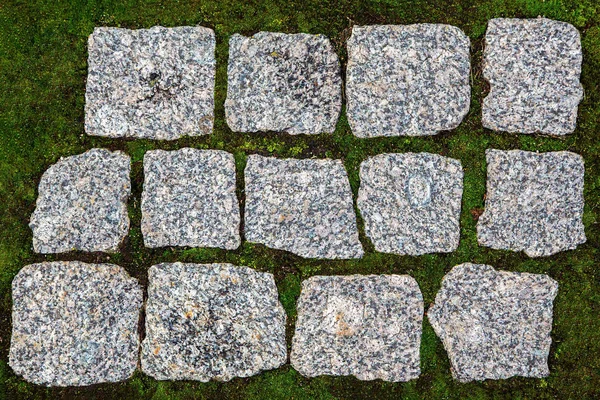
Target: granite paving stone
(74, 324)
(283, 82)
(533, 68)
(212, 321)
(407, 80)
(534, 202)
(368, 326)
(301, 206)
(494, 324)
(82, 203)
(155, 83)
(411, 202)
(189, 199)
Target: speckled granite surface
(533, 67)
(534, 202)
(82, 203)
(411, 202)
(155, 83)
(283, 82)
(368, 326)
(212, 321)
(301, 206)
(494, 324)
(189, 199)
(407, 80)
(74, 324)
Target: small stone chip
(368, 326)
(494, 325)
(534, 202)
(153, 83)
(74, 324)
(407, 80)
(189, 199)
(301, 206)
(284, 83)
(82, 203)
(212, 321)
(533, 67)
(411, 202)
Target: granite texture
(212, 321)
(283, 82)
(155, 83)
(534, 202)
(301, 206)
(189, 199)
(411, 202)
(82, 203)
(494, 325)
(407, 80)
(74, 324)
(368, 326)
(533, 68)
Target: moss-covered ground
(43, 64)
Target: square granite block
(301, 206)
(494, 324)
(74, 324)
(534, 202)
(533, 68)
(212, 321)
(368, 326)
(411, 202)
(284, 83)
(189, 199)
(82, 203)
(155, 83)
(407, 80)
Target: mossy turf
(43, 65)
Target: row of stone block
(401, 80)
(410, 203)
(76, 324)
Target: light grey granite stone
(212, 321)
(82, 203)
(153, 83)
(534, 202)
(494, 325)
(301, 206)
(533, 67)
(407, 80)
(368, 326)
(189, 199)
(282, 82)
(74, 324)
(411, 202)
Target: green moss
(43, 67)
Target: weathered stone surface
(494, 325)
(533, 67)
(411, 202)
(282, 82)
(82, 203)
(367, 326)
(74, 324)
(301, 206)
(534, 202)
(153, 83)
(407, 80)
(212, 321)
(189, 199)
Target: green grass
(43, 64)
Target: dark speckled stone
(494, 324)
(284, 83)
